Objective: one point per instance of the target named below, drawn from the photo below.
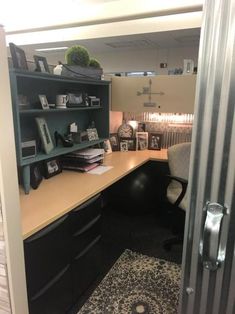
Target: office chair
(178, 159)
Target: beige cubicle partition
(163, 93)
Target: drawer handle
(90, 201)
(88, 226)
(88, 248)
(49, 285)
(46, 230)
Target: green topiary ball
(94, 63)
(77, 55)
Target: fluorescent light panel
(51, 49)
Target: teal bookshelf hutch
(32, 84)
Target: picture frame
(114, 141)
(155, 141)
(141, 140)
(44, 135)
(43, 101)
(41, 64)
(23, 102)
(131, 142)
(141, 127)
(52, 167)
(107, 147)
(18, 57)
(123, 146)
(35, 175)
(92, 134)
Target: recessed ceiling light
(51, 49)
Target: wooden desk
(60, 194)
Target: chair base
(167, 244)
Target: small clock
(125, 130)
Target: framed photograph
(141, 140)
(114, 141)
(41, 64)
(18, 57)
(92, 134)
(23, 102)
(131, 142)
(123, 146)
(141, 127)
(35, 175)
(44, 102)
(44, 135)
(107, 147)
(52, 167)
(155, 141)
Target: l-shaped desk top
(60, 194)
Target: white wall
(139, 59)
(146, 59)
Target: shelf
(57, 78)
(60, 150)
(49, 111)
(31, 84)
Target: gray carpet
(136, 284)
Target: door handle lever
(209, 246)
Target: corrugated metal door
(208, 271)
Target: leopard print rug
(136, 284)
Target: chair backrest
(178, 159)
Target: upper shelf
(58, 78)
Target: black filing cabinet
(86, 253)
(47, 262)
(63, 259)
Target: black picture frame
(18, 57)
(35, 175)
(141, 127)
(131, 142)
(114, 141)
(41, 64)
(155, 141)
(52, 167)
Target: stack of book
(83, 160)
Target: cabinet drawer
(86, 235)
(55, 297)
(86, 268)
(46, 254)
(82, 215)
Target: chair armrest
(184, 184)
(178, 179)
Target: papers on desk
(100, 169)
(83, 160)
(87, 153)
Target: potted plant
(79, 63)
